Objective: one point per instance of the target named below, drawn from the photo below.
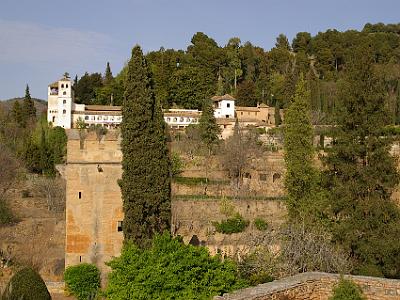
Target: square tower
(60, 102)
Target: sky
(40, 40)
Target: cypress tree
(146, 183)
(108, 76)
(301, 176)
(28, 107)
(209, 132)
(361, 174)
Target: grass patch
(201, 197)
(191, 181)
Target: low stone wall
(55, 287)
(316, 286)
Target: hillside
(40, 104)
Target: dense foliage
(146, 181)
(82, 281)
(347, 290)
(361, 174)
(169, 270)
(26, 284)
(186, 78)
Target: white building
(63, 112)
(224, 106)
(60, 103)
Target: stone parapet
(316, 286)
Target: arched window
(64, 101)
(62, 86)
(175, 119)
(64, 111)
(66, 85)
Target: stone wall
(193, 220)
(316, 286)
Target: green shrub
(231, 225)
(26, 284)
(6, 215)
(260, 224)
(347, 290)
(82, 281)
(169, 269)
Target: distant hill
(40, 104)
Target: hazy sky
(40, 40)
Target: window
(175, 119)
(66, 85)
(79, 195)
(64, 111)
(86, 117)
(241, 113)
(54, 119)
(80, 258)
(227, 116)
(276, 177)
(93, 118)
(168, 119)
(64, 93)
(228, 105)
(181, 119)
(62, 86)
(119, 226)
(64, 101)
(263, 177)
(105, 118)
(247, 175)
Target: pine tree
(145, 184)
(301, 176)
(28, 108)
(361, 174)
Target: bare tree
(238, 150)
(9, 170)
(53, 189)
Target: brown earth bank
(37, 239)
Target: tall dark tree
(28, 107)
(301, 176)
(145, 184)
(108, 76)
(361, 173)
(209, 132)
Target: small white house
(224, 106)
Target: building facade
(64, 112)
